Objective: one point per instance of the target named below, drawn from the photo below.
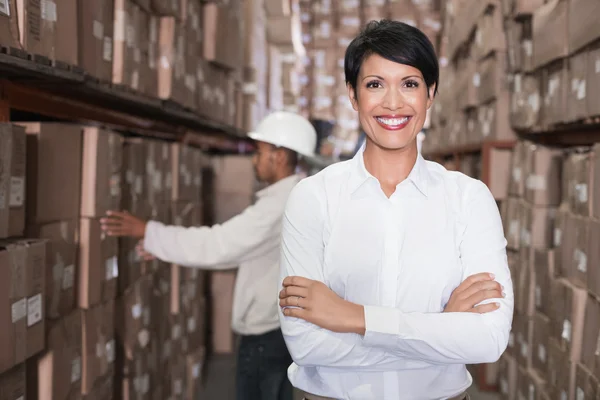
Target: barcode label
(19, 310)
(108, 49)
(17, 191)
(68, 278)
(34, 310)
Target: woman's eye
(373, 85)
(412, 84)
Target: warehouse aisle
(219, 381)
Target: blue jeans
(262, 365)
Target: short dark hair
(395, 41)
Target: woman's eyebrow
(373, 76)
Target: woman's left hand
(314, 302)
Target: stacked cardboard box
(551, 223)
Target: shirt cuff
(151, 236)
(382, 325)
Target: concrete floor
(220, 381)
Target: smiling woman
(393, 270)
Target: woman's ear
(430, 95)
(352, 96)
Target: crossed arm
(341, 334)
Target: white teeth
(392, 121)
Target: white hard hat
(289, 130)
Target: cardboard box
(523, 327)
(586, 386)
(56, 374)
(195, 314)
(101, 174)
(491, 77)
(36, 35)
(539, 349)
(578, 176)
(23, 309)
(525, 102)
(95, 38)
(13, 383)
(171, 65)
(277, 8)
(194, 372)
(159, 178)
(98, 346)
(529, 384)
(494, 119)
(134, 318)
(543, 263)
(538, 227)
(593, 80)
(583, 28)
(559, 369)
(525, 284)
(53, 172)
(98, 265)
(564, 240)
(516, 185)
(150, 71)
(512, 223)
(577, 94)
(135, 381)
(223, 24)
(12, 184)
(594, 259)
(171, 8)
(550, 32)
(507, 381)
(9, 29)
(498, 183)
(542, 185)
(579, 249)
(128, 47)
(569, 304)
(61, 260)
(66, 28)
(488, 34)
(143, 4)
(591, 334)
(555, 86)
(323, 32)
(131, 266)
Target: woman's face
(392, 102)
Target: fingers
(481, 277)
(485, 308)
(292, 301)
(479, 287)
(293, 291)
(483, 295)
(296, 313)
(297, 281)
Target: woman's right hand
(472, 291)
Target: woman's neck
(390, 167)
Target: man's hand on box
(118, 223)
(142, 253)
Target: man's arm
(244, 236)
(394, 339)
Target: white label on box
(197, 181)
(136, 311)
(19, 310)
(566, 332)
(557, 236)
(196, 370)
(542, 353)
(98, 30)
(581, 260)
(48, 10)
(137, 56)
(108, 267)
(517, 85)
(528, 47)
(107, 52)
(138, 184)
(191, 325)
(110, 351)
(152, 57)
(76, 370)
(517, 173)
(536, 182)
(580, 394)
(130, 177)
(582, 192)
(20, 398)
(130, 35)
(17, 191)
(525, 237)
(538, 296)
(99, 350)
(34, 310)
(513, 228)
(115, 185)
(511, 340)
(145, 384)
(524, 349)
(178, 387)
(147, 316)
(564, 396)
(176, 333)
(534, 101)
(503, 386)
(119, 26)
(144, 337)
(164, 287)
(574, 84)
(598, 66)
(531, 392)
(581, 88)
(68, 277)
(5, 7)
(477, 80)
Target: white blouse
(401, 257)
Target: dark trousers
(262, 365)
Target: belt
(308, 396)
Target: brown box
(559, 369)
(550, 32)
(499, 179)
(494, 119)
(171, 65)
(583, 27)
(9, 29)
(158, 172)
(234, 185)
(171, 8)
(53, 172)
(182, 166)
(526, 101)
(577, 93)
(223, 24)
(593, 81)
(61, 262)
(507, 381)
(143, 4)
(36, 34)
(517, 164)
(591, 335)
(539, 350)
(135, 379)
(194, 324)
(150, 31)
(222, 284)
(101, 174)
(128, 45)
(569, 305)
(594, 259)
(14, 383)
(98, 346)
(23, 310)
(529, 385)
(542, 185)
(98, 266)
(131, 266)
(65, 25)
(578, 176)
(525, 284)
(194, 372)
(492, 77)
(134, 187)
(134, 318)
(543, 263)
(523, 326)
(512, 223)
(579, 250)
(12, 184)
(586, 386)
(56, 374)
(538, 227)
(95, 37)
(555, 87)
